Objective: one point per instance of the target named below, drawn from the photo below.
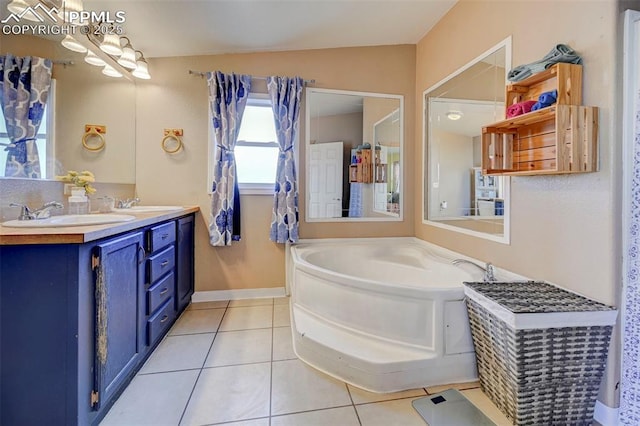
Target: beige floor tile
(225, 394)
(255, 422)
(297, 387)
(208, 305)
(246, 318)
(281, 300)
(250, 302)
(361, 396)
(154, 399)
(459, 386)
(281, 316)
(343, 416)
(179, 353)
(197, 321)
(482, 401)
(282, 344)
(240, 347)
(390, 413)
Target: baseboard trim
(605, 415)
(247, 293)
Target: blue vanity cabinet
(161, 272)
(184, 262)
(75, 321)
(118, 267)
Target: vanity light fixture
(108, 70)
(128, 58)
(454, 115)
(142, 68)
(69, 6)
(18, 7)
(111, 45)
(94, 59)
(72, 44)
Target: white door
(325, 177)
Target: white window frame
(261, 99)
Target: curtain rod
(204, 74)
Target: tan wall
(173, 98)
(563, 228)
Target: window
(256, 150)
(44, 137)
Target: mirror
(354, 156)
(457, 195)
(80, 95)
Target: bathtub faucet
(489, 270)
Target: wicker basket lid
(535, 297)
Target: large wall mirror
(457, 196)
(80, 95)
(354, 156)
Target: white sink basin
(148, 209)
(70, 220)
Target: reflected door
(325, 195)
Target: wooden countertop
(83, 234)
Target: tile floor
(233, 363)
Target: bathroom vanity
(82, 308)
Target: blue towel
(545, 99)
(560, 53)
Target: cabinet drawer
(160, 292)
(161, 263)
(158, 323)
(161, 236)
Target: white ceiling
(475, 115)
(202, 27)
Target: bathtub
(383, 314)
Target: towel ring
(168, 137)
(90, 132)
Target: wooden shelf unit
(561, 138)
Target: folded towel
(560, 53)
(545, 99)
(548, 98)
(519, 108)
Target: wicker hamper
(541, 350)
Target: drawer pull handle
(164, 291)
(164, 318)
(164, 263)
(165, 236)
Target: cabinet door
(119, 291)
(184, 262)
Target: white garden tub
(383, 314)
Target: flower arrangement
(81, 180)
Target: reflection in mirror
(79, 95)
(354, 155)
(457, 196)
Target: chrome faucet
(43, 212)
(489, 270)
(128, 203)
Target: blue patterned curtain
(285, 94)
(228, 95)
(630, 371)
(24, 88)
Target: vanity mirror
(80, 95)
(354, 156)
(456, 195)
